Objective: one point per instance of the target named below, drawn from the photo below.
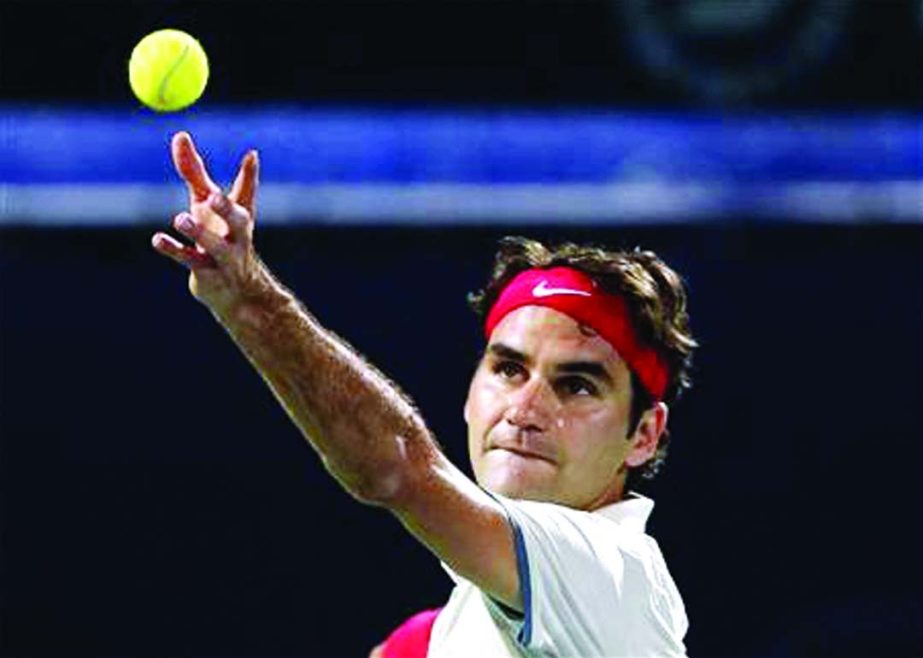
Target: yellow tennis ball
(168, 70)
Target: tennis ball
(168, 70)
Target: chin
(517, 485)
(516, 476)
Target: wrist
(258, 299)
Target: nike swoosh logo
(542, 290)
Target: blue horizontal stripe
(401, 146)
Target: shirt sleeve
(589, 586)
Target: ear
(647, 435)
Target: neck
(613, 494)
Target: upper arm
(464, 526)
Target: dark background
(156, 500)
(546, 52)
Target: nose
(531, 406)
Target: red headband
(575, 294)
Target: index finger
(191, 168)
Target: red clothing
(411, 639)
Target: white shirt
(593, 584)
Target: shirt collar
(631, 512)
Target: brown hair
(654, 293)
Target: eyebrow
(593, 369)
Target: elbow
(388, 483)
(379, 489)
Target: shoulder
(593, 582)
(543, 521)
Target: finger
(190, 166)
(243, 191)
(237, 218)
(213, 244)
(182, 254)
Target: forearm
(367, 434)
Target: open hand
(222, 261)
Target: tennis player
(585, 350)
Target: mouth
(520, 452)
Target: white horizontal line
(459, 204)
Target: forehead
(545, 333)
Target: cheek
(593, 433)
(484, 404)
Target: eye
(508, 369)
(577, 386)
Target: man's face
(548, 412)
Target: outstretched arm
(368, 435)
